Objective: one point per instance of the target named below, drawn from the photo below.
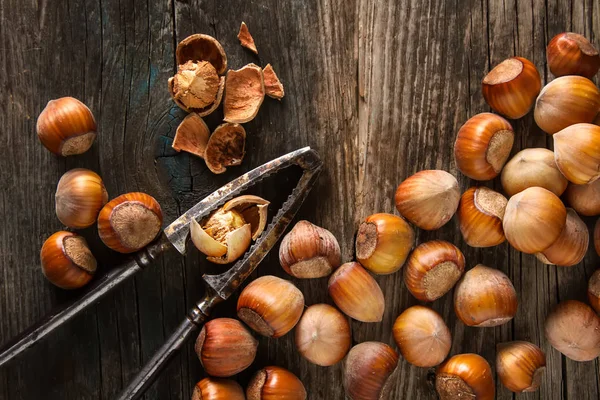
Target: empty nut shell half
(533, 167)
(275, 383)
(566, 101)
(577, 153)
(480, 215)
(483, 145)
(512, 86)
(192, 135)
(433, 269)
(585, 199)
(428, 198)
(594, 290)
(571, 246)
(368, 371)
(569, 53)
(200, 47)
(485, 297)
(467, 376)
(225, 148)
(244, 94)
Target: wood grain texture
(379, 88)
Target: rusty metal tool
(219, 287)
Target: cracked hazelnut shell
(201, 47)
(246, 39)
(225, 148)
(192, 135)
(273, 86)
(244, 94)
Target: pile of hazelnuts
(533, 219)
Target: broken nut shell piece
(225, 148)
(244, 94)
(246, 39)
(226, 234)
(192, 135)
(273, 86)
(200, 47)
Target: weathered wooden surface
(379, 88)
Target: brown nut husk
(577, 153)
(200, 47)
(80, 195)
(130, 222)
(422, 336)
(196, 85)
(467, 376)
(566, 101)
(270, 306)
(66, 127)
(356, 293)
(483, 145)
(594, 291)
(273, 86)
(534, 219)
(383, 242)
(433, 269)
(67, 261)
(573, 328)
(511, 87)
(323, 335)
(480, 215)
(309, 251)
(218, 389)
(225, 148)
(246, 39)
(428, 198)
(571, 246)
(275, 383)
(585, 199)
(520, 366)
(225, 235)
(225, 347)
(569, 53)
(533, 167)
(368, 371)
(192, 135)
(244, 94)
(485, 297)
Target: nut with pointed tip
(566, 101)
(520, 366)
(594, 290)
(225, 148)
(512, 86)
(569, 53)
(585, 199)
(485, 297)
(483, 145)
(218, 389)
(428, 198)
(571, 246)
(465, 376)
(383, 243)
(534, 219)
(573, 328)
(225, 235)
(309, 251)
(246, 39)
(225, 347)
(66, 127)
(433, 269)
(533, 167)
(192, 135)
(356, 293)
(80, 195)
(422, 336)
(130, 222)
(577, 153)
(273, 86)
(369, 371)
(323, 335)
(200, 47)
(275, 383)
(270, 306)
(244, 94)
(67, 261)
(480, 215)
